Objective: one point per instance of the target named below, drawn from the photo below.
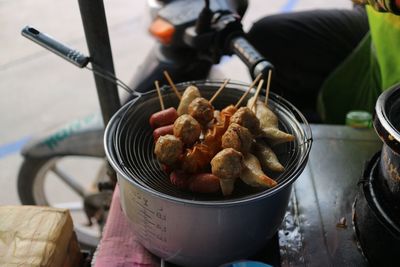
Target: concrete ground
(40, 91)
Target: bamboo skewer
(171, 83)
(248, 90)
(267, 89)
(219, 90)
(159, 95)
(260, 84)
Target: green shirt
(372, 67)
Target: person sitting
(330, 62)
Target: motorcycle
(191, 36)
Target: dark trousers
(305, 47)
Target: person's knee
(266, 26)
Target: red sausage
(204, 183)
(180, 179)
(168, 129)
(163, 117)
(199, 183)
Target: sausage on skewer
(163, 117)
(198, 183)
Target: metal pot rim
(382, 123)
(228, 202)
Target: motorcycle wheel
(40, 182)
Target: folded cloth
(119, 246)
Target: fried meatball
(187, 129)
(238, 138)
(246, 118)
(168, 148)
(202, 110)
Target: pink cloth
(119, 246)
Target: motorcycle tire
(31, 191)
(26, 178)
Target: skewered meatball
(202, 110)
(245, 117)
(227, 165)
(168, 148)
(238, 138)
(187, 129)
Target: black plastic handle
(71, 55)
(251, 57)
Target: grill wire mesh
(133, 143)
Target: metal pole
(97, 38)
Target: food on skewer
(163, 130)
(266, 116)
(180, 179)
(269, 124)
(214, 135)
(199, 182)
(238, 138)
(267, 157)
(245, 117)
(190, 93)
(204, 183)
(276, 136)
(253, 175)
(207, 150)
(202, 110)
(187, 129)
(196, 159)
(227, 165)
(163, 120)
(217, 116)
(228, 112)
(163, 117)
(168, 149)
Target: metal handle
(71, 55)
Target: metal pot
(387, 126)
(193, 229)
(376, 223)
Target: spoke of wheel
(72, 206)
(70, 181)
